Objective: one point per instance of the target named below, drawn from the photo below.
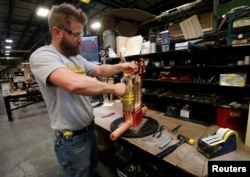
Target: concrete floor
(26, 148)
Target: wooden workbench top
(185, 156)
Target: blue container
(165, 37)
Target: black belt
(68, 133)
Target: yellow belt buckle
(67, 134)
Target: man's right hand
(120, 89)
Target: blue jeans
(78, 155)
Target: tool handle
(169, 150)
(120, 130)
(110, 114)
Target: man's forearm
(90, 86)
(108, 70)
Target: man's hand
(129, 68)
(120, 89)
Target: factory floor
(26, 148)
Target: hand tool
(163, 94)
(158, 132)
(174, 130)
(110, 114)
(165, 143)
(183, 139)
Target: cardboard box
(206, 22)
(233, 79)
(183, 45)
(5, 89)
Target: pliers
(158, 132)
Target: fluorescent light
(96, 25)
(43, 12)
(8, 40)
(8, 47)
(7, 54)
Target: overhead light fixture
(8, 40)
(7, 53)
(8, 47)
(43, 12)
(85, 1)
(96, 25)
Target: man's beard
(68, 49)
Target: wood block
(247, 138)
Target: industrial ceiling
(18, 21)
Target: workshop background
(26, 143)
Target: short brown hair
(61, 15)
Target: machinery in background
(133, 110)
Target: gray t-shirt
(67, 111)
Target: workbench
(185, 158)
(25, 97)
